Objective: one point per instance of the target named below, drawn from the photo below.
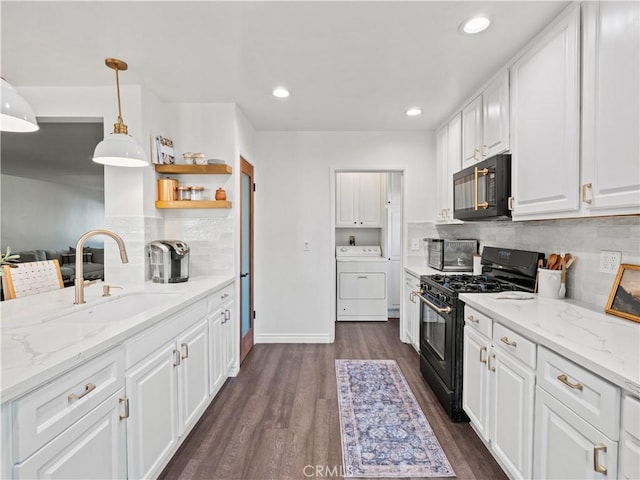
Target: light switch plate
(609, 261)
(307, 246)
(415, 244)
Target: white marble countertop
(607, 345)
(418, 266)
(40, 341)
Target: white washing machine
(361, 283)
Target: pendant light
(119, 149)
(17, 114)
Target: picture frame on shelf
(163, 150)
(624, 299)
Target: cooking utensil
(570, 262)
(540, 264)
(563, 276)
(554, 261)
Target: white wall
(295, 297)
(45, 215)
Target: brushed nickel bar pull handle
(88, 388)
(484, 147)
(483, 359)
(596, 465)
(510, 204)
(227, 315)
(126, 408)
(435, 307)
(584, 192)
(186, 351)
(511, 343)
(473, 319)
(565, 379)
(475, 150)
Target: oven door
(437, 337)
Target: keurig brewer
(169, 261)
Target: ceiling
(350, 66)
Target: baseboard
(292, 338)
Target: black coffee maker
(169, 261)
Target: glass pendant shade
(17, 114)
(120, 150)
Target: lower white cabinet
(221, 338)
(630, 439)
(567, 447)
(498, 393)
(167, 392)
(93, 447)
(411, 310)
(229, 337)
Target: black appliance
(482, 192)
(442, 317)
(451, 255)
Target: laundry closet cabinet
(359, 198)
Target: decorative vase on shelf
(221, 194)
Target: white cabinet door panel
(472, 133)
(153, 413)
(512, 414)
(611, 106)
(565, 445)
(346, 198)
(93, 447)
(475, 381)
(495, 116)
(193, 374)
(545, 109)
(370, 201)
(216, 378)
(630, 439)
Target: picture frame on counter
(624, 299)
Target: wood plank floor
(280, 414)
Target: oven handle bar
(435, 307)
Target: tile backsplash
(582, 237)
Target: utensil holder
(549, 282)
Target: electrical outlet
(415, 244)
(609, 261)
(307, 245)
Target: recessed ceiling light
(280, 92)
(413, 112)
(475, 25)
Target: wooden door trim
(247, 343)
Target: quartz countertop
(40, 341)
(418, 266)
(607, 345)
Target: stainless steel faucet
(79, 282)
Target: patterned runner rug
(384, 432)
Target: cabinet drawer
(218, 298)
(478, 321)
(588, 395)
(518, 346)
(151, 339)
(46, 412)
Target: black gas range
(442, 317)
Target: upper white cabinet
(485, 122)
(448, 158)
(359, 199)
(545, 121)
(611, 108)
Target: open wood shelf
(218, 169)
(193, 203)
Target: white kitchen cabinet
(392, 250)
(630, 438)
(359, 199)
(152, 389)
(485, 122)
(567, 447)
(229, 338)
(611, 108)
(472, 132)
(171, 384)
(221, 342)
(93, 447)
(498, 390)
(545, 123)
(411, 310)
(393, 188)
(394, 287)
(193, 374)
(448, 157)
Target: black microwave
(482, 192)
